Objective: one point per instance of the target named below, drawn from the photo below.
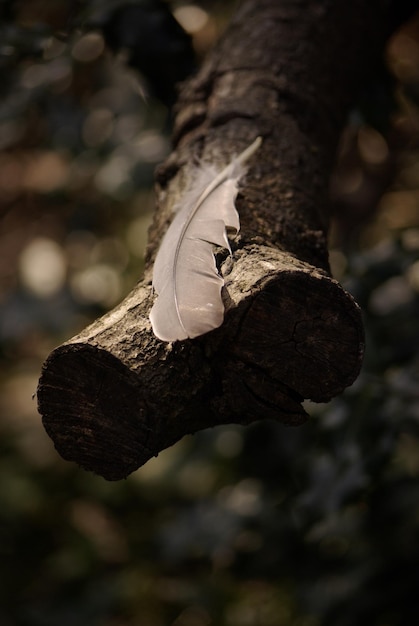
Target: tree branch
(114, 396)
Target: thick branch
(114, 396)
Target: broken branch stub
(114, 396)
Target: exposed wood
(115, 395)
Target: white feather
(185, 275)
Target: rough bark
(114, 396)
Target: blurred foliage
(232, 527)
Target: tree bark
(288, 70)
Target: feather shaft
(185, 275)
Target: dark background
(263, 526)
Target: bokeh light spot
(42, 267)
(191, 17)
(98, 284)
(88, 48)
